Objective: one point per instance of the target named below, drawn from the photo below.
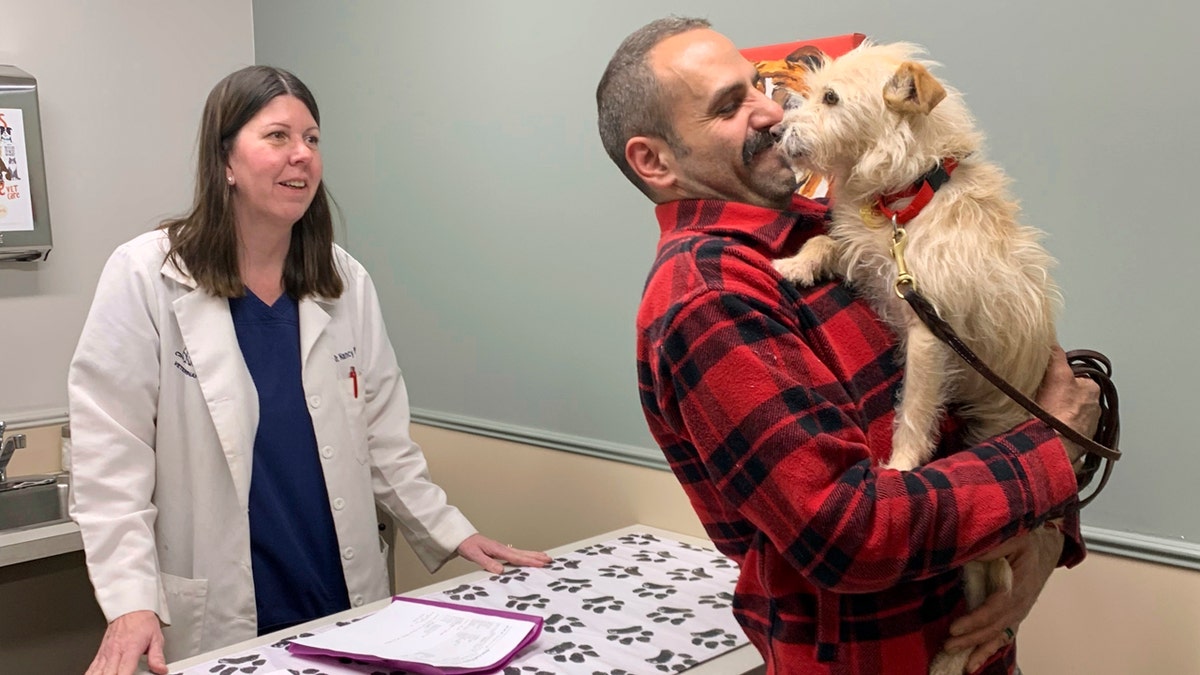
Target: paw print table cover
(634, 605)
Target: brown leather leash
(1101, 449)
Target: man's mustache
(761, 140)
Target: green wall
(460, 141)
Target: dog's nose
(777, 131)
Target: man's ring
(1009, 635)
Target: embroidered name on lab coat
(183, 363)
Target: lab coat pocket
(356, 418)
(187, 601)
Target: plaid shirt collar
(773, 231)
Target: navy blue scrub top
(293, 545)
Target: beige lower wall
(537, 498)
(1109, 616)
(1115, 616)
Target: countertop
(42, 541)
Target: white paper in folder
(424, 632)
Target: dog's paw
(800, 269)
(910, 447)
(899, 465)
(813, 263)
(950, 663)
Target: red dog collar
(921, 192)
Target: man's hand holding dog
(1033, 557)
(1075, 401)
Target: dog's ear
(809, 56)
(913, 90)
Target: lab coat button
(339, 504)
(358, 601)
(314, 401)
(348, 554)
(327, 452)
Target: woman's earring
(229, 179)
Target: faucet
(7, 447)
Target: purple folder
(424, 668)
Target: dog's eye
(830, 97)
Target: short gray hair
(629, 98)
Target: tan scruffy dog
(894, 141)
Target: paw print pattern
(618, 671)
(693, 547)
(619, 572)
(629, 635)
(467, 592)
(306, 671)
(711, 639)
(597, 549)
(603, 604)
(673, 615)
(570, 585)
(668, 661)
(656, 591)
(510, 576)
(347, 622)
(561, 564)
(282, 644)
(526, 670)
(721, 563)
(238, 664)
(682, 574)
(557, 623)
(718, 601)
(653, 556)
(524, 602)
(640, 539)
(569, 651)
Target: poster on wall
(16, 205)
(782, 69)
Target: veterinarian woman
(237, 410)
(774, 405)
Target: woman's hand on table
(126, 639)
(491, 555)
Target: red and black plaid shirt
(774, 406)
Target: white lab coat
(163, 415)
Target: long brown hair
(205, 240)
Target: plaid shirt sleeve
(771, 427)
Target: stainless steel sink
(30, 501)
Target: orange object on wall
(833, 46)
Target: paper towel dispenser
(24, 204)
